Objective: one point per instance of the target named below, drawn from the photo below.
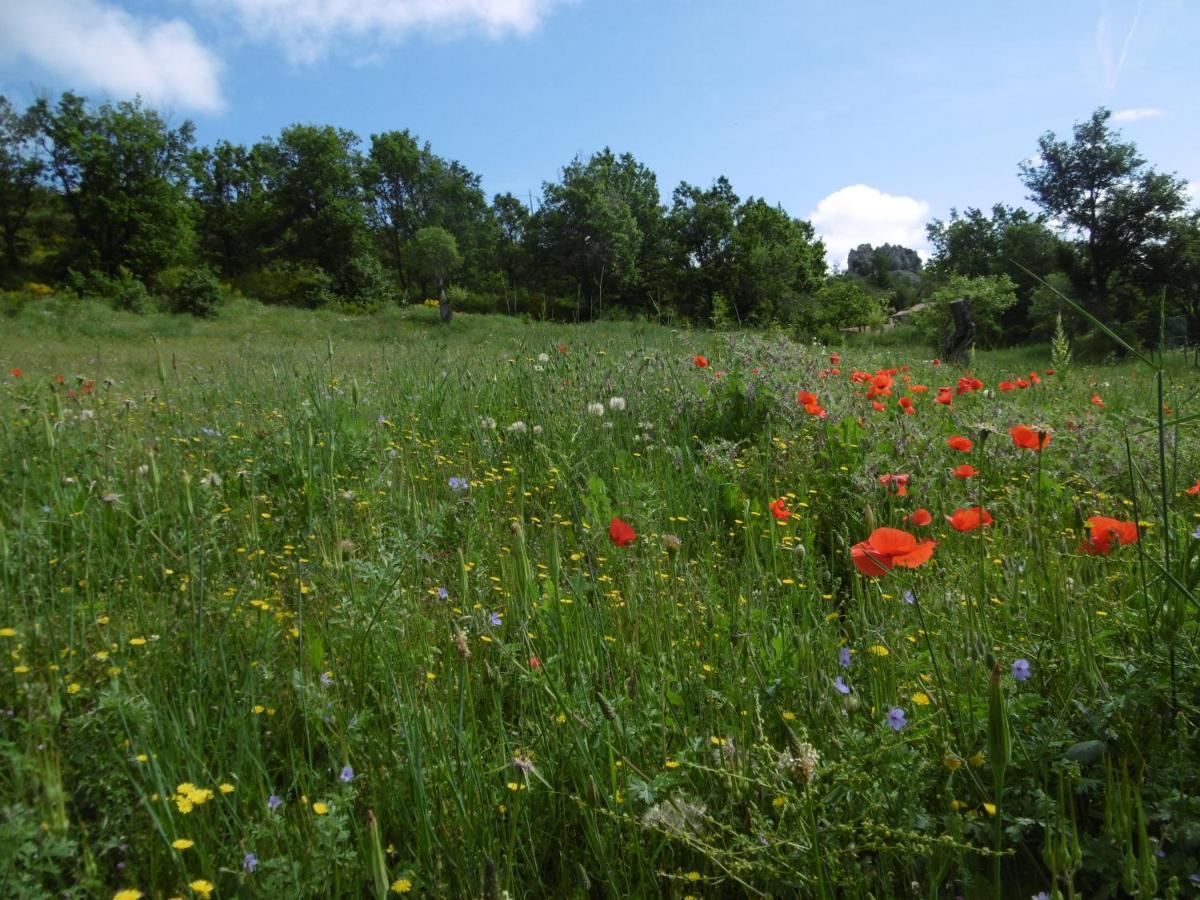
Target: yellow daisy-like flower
(402, 886)
(137, 642)
(183, 843)
(921, 699)
(989, 808)
(320, 808)
(8, 632)
(693, 876)
(953, 763)
(779, 802)
(128, 894)
(977, 759)
(672, 764)
(878, 650)
(202, 886)
(789, 716)
(226, 788)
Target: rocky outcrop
(864, 259)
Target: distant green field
(299, 605)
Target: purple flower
(442, 593)
(1196, 533)
(326, 679)
(459, 484)
(910, 598)
(250, 863)
(524, 763)
(1021, 670)
(347, 774)
(841, 686)
(844, 657)
(895, 719)
(274, 802)
(1040, 895)
(494, 620)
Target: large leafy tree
(1099, 189)
(21, 167)
(123, 174)
(314, 191)
(777, 262)
(597, 230)
(701, 229)
(229, 187)
(434, 254)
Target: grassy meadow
(299, 605)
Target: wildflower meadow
(295, 604)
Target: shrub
(285, 283)
(198, 293)
(988, 295)
(364, 284)
(123, 291)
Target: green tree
(234, 214)
(1098, 187)
(700, 225)
(21, 168)
(123, 175)
(842, 302)
(988, 296)
(512, 219)
(597, 229)
(777, 262)
(434, 254)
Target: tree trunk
(961, 338)
(444, 309)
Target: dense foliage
(109, 200)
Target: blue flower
(844, 657)
(274, 802)
(442, 593)
(1196, 533)
(1021, 670)
(910, 598)
(494, 620)
(895, 719)
(347, 774)
(250, 863)
(841, 686)
(326, 679)
(458, 484)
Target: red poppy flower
(969, 519)
(534, 662)
(1049, 371)
(88, 386)
(620, 532)
(1022, 383)
(815, 409)
(58, 379)
(835, 371)
(944, 397)
(966, 470)
(15, 372)
(896, 484)
(920, 517)
(937, 362)
(779, 509)
(1107, 533)
(889, 547)
(1096, 401)
(835, 359)
(1194, 489)
(805, 398)
(561, 348)
(1033, 376)
(906, 404)
(1025, 437)
(882, 382)
(962, 444)
(879, 407)
(1006, 385)
(700, 361)
(919, 389)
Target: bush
(123, 291)
(198, 293)
(285, 283)
(364, 284)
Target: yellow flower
(128, 894)
(182, 843)
(990, 808)
(8, 632)
(878, 650)
(953, 763)
(779, 802)
(692, 876)
(672, 764)
(921, 699)
(977, 759)
(137, 642)
(201, 886)
(320, 808)
(227, 788)
(402, 886)
(789, 716)
(74, 687)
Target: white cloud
(91, 44)
(305, 29)
(860, 214)
(1137, 114)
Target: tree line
(115, 201)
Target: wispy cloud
(92, 44)
(1111, 63)
(1136, 114)
(861, 214)
(306, 29)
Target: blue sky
(869, 118)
